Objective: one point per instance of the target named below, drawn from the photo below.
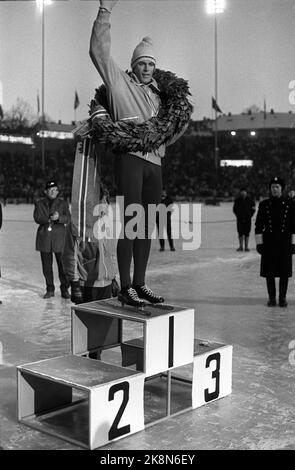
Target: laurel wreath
(127, 136)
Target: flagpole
(43, 91)
(215, 7)
(41, 4)
(38, 106)
(216, 149)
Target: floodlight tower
(41, 4)
(214, 7)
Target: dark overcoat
(244, 209)
(275, 221)
(51, 240)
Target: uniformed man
(275, 239)
(52, 214)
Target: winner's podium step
(167, 332)
(82, 400)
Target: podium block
(111, 408)
(91, 402)
(168, 332)
(212, 372)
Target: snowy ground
(229, 298)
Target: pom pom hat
(144, 49)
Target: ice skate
(129, 297)
(144, 292)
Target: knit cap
(144, 49)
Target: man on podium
(134, 98)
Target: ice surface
(229, 298)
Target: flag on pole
(76, 101)
(38, 103)
(264, 109)
(215, 105)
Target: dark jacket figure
(165, 221)
(275, 238)
(244, 209)
(52, 214)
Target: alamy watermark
(292, 93)
(133, 221)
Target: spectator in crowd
(275, 239)
(244, 209)
(163, 219)
(52, 214)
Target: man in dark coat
(244, 209)
(275, 239)
(52, 214)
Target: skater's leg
(129, 173)
(151, 194)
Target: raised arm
(100, 43)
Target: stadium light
(55, 135)
(12, 139)
(253, 133)
(236, 163)
(215, 7)
(41, 4)
(233, 133)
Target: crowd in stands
(189, 170)
(22, 177)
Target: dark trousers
(47, 262)
(140, 182)
(168, 229)
(271, 287)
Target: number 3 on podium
(212, 376)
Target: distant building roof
(55, 130)
(58, 127)
(254, 121)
